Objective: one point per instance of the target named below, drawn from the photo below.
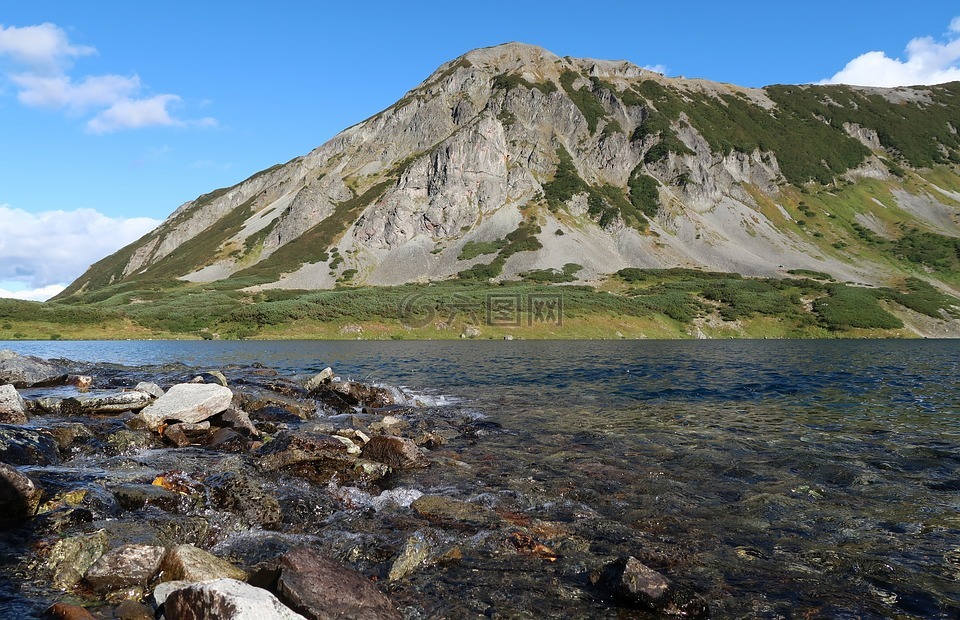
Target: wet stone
(314, 456)
(71, 557)
(238, 420)
(189, 563)
(105, 403)
(226, 599)
(131, 610)
(150, 388)
(66, 611)
(136, 496)
(127, 441)
(125, 567)
(244, 496)
(69, 434)
(26, 446)
(319, 379)
(636, 585)
(23, 371)
(322, 589)
(397, 452)
(19, 494)
(13, 409)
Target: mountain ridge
(602, 164)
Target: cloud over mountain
(54, 247)
(928, 61)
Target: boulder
(13, 409)
(125, 567)
(238, 420)
(312, 455)
(71, 557)
(322, 589)
(188, 402)
(19, 494)
(116, 402)
(397, 452)
(27, 446)
(23, 371)
(189, 563)
(225, 599)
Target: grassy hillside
(673, 303)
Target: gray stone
(239, 420)
(13, 409)
(25, 371)
(225, 599)
(188, 402)
(322, 589)
(397, 452)
(116, 402)
(27, 446)
(71, 557)
(149, 388)
(321, 378)
(125, 567)
(19, 494)
(186, 562)
(166, 588)
(416, 550)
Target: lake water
(776, 478)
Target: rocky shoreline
(237, 493)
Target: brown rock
(65, 611)
(322, 589)
(397, 452)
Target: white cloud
(43, 48)
(134, 113)
(56, 247)
(38, 294)
(656, 69)
(43, 55)
(928, 61)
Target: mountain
(510, 161)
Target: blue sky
(114, 113)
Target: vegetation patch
(473, 249)
(511, 81)
(553, 276)
(584, 98)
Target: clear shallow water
(776, 478)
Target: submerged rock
(322, 589)
(66, 611)
(636, 585)
(19, 494)
(27, 446)
(13, 409)
(442, 509)
(188, 402)
(225, 599)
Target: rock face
(634, 168)
(322, 589)
(188, 402)
(13, 409)
(225, 599)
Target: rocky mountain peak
(511, 160)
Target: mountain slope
(511, 159)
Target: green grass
(473, 249)
(584, 98)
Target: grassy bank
(634, 303)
